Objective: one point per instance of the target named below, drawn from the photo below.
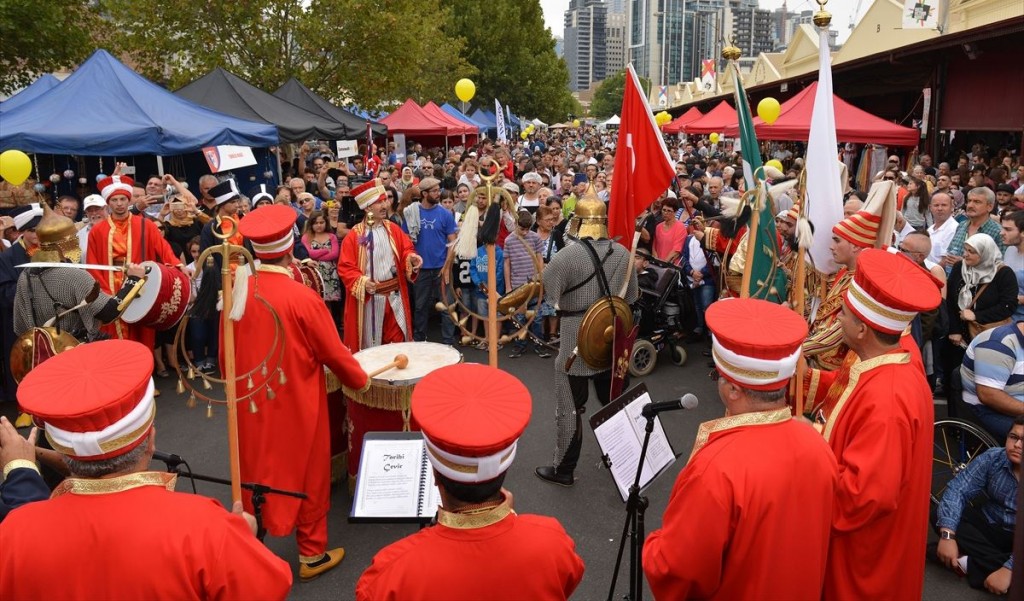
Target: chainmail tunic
(569, 267)
(45, 292)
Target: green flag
(767, 279)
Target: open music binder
(395, 482)
(619, 427)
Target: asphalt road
(591, 511)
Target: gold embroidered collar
(758, 418)
(477, 518)
(106, 486)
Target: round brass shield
(35, 346)
(597, 330)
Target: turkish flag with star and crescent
(643, 168)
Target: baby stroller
(665, 312)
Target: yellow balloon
(768, 110)
(523, 135)
(465, 89)
(714, 138)
(775, 163)
(15, 166)
(662, 118)
(575, 122)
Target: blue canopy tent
(487, 120)
(36, 89)
(106, 109)
(454, 112)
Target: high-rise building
(750, 31)
(655, 39)
(704, 29)
(615, 33)
(782, 31)
(586, 42)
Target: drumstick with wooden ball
(401, 362)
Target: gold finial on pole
(822, 18)
(731, 52)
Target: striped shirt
(994, 359)
(520, 260)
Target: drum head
(424, 357)
(139, 308)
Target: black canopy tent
(355, 126)
(225, 92)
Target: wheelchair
(957, 443)
(665, 314)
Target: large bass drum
(385, 407)
(165, 297)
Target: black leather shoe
(550, 474)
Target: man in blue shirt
(432, 228)
(978, 538)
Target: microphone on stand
(687, 401)
(170, 459)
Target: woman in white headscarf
(981, 289)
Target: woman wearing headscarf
(981, 289)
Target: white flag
(500, 115)
(824, 197)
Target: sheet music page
(433, 495)
(618, 440)
(389, 483)
(659, 452)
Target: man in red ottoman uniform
(286, 442)
(758, 490)
(472, 416)
(878, 417)
(376, 265)
(114, 530)
(124, 238)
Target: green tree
(607, 99)
(513, 53)
(375, 54)
(40, 37)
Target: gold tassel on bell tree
(206, 383)
(209, 410)
(252, 406)
(191, 373)
(181, 386)
(270, 393)
(263, 370)
(281, 379)
(250, 383)
(191, 403)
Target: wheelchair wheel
(957, 443)
(643, 359)
(678, 354)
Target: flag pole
(732, 54)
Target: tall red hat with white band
(472, 417)
(871, 226)
(270, 231)
(369, 193)
(888, 290)
(755, 343)
(114, 185)
(95, 401)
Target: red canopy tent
(412, 120)
(676, 125)
(714, 121)
(852, 124)
(455, 127)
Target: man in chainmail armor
(573, 284)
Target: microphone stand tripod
(259, 491)
(636, 506)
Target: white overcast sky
(554, 11)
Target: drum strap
(599, 273)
